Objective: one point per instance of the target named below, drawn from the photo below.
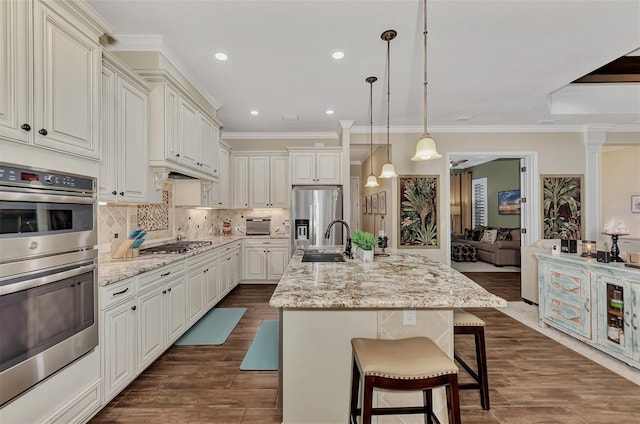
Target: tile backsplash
(164, 222)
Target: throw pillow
(477, 235)
(468, 234)
(504, 234)
(489, 236)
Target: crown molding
(145, 43)
(279, 135)
(495, 129)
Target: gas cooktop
(175, 247)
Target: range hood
(190, 192)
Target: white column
(345, 142)
(594, 137)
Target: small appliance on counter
(258, 226)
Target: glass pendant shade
(388, 171)
(372, 181)
(426, 149)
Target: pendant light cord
(388, 92)
(371, 81)
(425, 67)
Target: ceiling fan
(454, 163)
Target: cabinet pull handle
(43, 132)
(122, 193)
(586, 305)
(114, 192)
(165, 274)
(26, 127)
(626, 321)
(169, 289)
(635, 327)
(134, 307)
(121, 292)
(164, 292)
(177, 155)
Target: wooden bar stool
(466, 323)
(404, 364)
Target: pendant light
(426, 146)
(371, 180)
(387, 169)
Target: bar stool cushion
(402, 359)
(463, 318)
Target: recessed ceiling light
(289, 117)
(329, 112)
(337, 55)
(221, 56)
(255, 112)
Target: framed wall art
(382, 202)
(368, 204)
(374, 204)
(509, 202)
(635, 203)
(561, 207)
(418, 212)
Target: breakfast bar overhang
(324, 305)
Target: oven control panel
(28, 177)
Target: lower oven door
(48, 319)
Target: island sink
(322, 257)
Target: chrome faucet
(327, 233)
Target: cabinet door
(119, 348)
(255, 263)
(328, 168)
(151, 323)
(108, 177)
(212, 283)
(277, 260)
(614, 314)
(66, 85)
(240, 182)
(236, 268)
(259, 182)
(566, 297)
(303, 168)
(280, 187)
(225, 285)
(223, 178)
(188, 133)
(175, 309)
(15, 74)
(132, 142)
(172, 140)
(195, 295)
(635, 320)
(208, 144)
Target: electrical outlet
(115, 235)
(409, 317)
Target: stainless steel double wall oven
(48, 274)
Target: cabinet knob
(134, 307)
(43, 132)
(114, 192)
(164, 292)
(122, 193)
(169, 289)
(26, 127)
(177, 155)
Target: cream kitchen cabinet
(219, 193)
(316, 167)
(202, 285)
(124, 168)
(50, 75)
(265, 259)
(118, 336)
(161, 311)
(267, 181)
(240, 185)
(197, 138)
(230, 263)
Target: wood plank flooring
(532, 378)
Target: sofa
(498, 246)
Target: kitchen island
(324, 305)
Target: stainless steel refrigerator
(312, 209)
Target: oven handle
(41, 281)
(48, 198)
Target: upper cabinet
(124, 168)
(220, 190)
(50, 66)
(183, 136)
(315, 167)
(261, 181)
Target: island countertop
(401, 280)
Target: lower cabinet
(593, 302)
(119, 327)
(265, 259)
(230, 263)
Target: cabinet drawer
(279, 242)
(572, 316)
(202, 258)
(116, 293)
(567, 283)
(160, 275)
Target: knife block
(124, 251)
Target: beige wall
(620, 180)
(369, 222)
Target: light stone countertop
(113, 270)
(402, 280)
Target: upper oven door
(36, 223)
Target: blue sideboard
(594, 302)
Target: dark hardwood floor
(532, 378)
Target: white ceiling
(495, 60)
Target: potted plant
(365, 242)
